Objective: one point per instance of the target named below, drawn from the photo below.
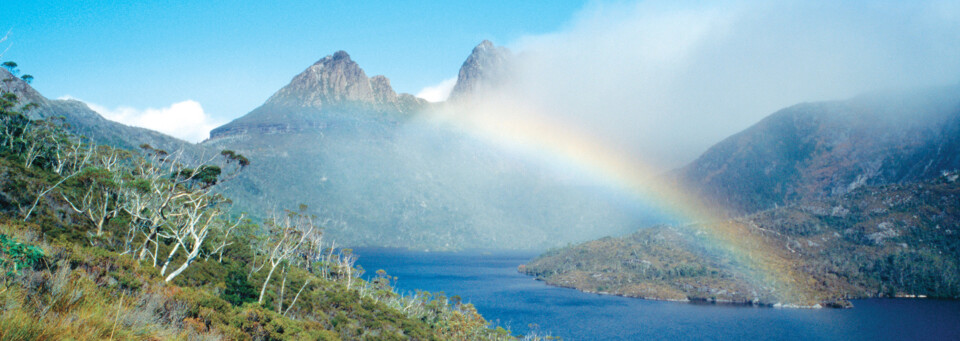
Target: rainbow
(518, 127)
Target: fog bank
(668, 80)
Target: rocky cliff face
(821, 150)
(334, 85)
(333, 80)
(486, 67)
(15, 85)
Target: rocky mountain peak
(335, 84)
(333, 80)
(487, 66)
(382, 91)
(484, 45)
(341, 56)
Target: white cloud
(439, 92)
(185, 120)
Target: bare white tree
(71, 155)
(193, 221)
(305, 283)
(149, 200)
(99, 202)
(38, 138)
(179, 211)
(68, 158)
(288, 234)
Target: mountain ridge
(334, 85)
(354, 150)
(83, 121)
(854, 198)
(823, 149)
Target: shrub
(15, 255)
(238, 289)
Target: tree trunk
(265, 282)
(190, 257)
(146, 243)
(166, 263)
(283, 285)
(296, 297)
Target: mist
(665, 81)
(564, 146)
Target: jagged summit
(333, 85)
(341, 55)
(485, 67)
(333, 80)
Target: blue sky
(664, 79)
(229, 56)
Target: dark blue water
(490, 281)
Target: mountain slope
(384, 174)
(87, 235)
(855, 198)
(820, 150)
(892, 240)
(83, 121)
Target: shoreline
(838, 304)
(844, 303)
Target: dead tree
(288, 234)
(194, 218)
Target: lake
(517, 302)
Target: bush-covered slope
(819, 150)
(876, 241)
(103, 243)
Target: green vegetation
(877, 241)
(103, 243)
(660, 263)
(15, 256)
(10, 66)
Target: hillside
(831, 200)
(812, 151)
(80, 120)
(105, 243)
(874, 241)
(360, 154)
